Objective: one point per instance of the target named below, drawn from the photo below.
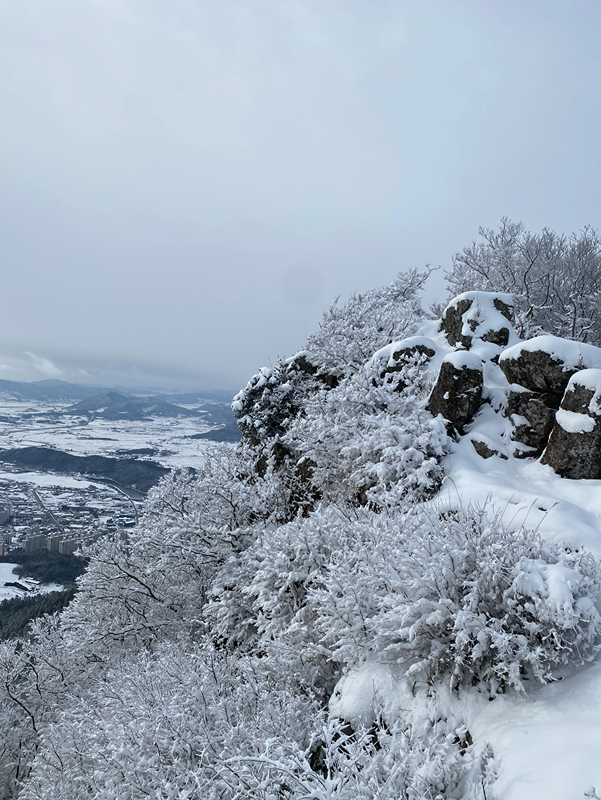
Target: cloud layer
(186, 185)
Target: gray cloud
(186, 185)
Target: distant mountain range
(110, 404)
(63, 391)
(45, 390)
(113, 405)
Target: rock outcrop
(397, 355)
(482, 315)
(540, 370)
(574, 448)
(548, 388)
(545, 364)
(532, 415)
(553, 399)
(457, 393)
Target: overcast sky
(187, 184)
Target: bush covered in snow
(350, 334)
(370, 439)
(455, 597)
(452, 597)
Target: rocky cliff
(548, 389)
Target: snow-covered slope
(388, 590)
(547, 743)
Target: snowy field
(28, 424)
(7, 592)
(39, 479)
(42, 424)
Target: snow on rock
(573, 354)
(258, 381)
(393, 352)
(589, 379)
(479, 315)
(572, 422)
(523, 492)
(463, 359)
(546, 363)
(574, 448)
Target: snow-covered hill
(389, 589)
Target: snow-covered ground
(7, 576)
(549, 743)
(524, 492)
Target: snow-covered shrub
(21, 712)
(204, 724)
(366, 441)
(261, 600)
(225, 494)
(154, 584)
(273, 397)
(171, 724)
(432, 762)
(37, 675)
(458, 596)
(349, 334)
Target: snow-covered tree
(555, 280)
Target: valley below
(74, 468)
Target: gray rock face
(533, 415)
(301, 362)
(485, 451)
(452, 324)
(574, 448)
(538, 371)
(457, 393)
(546, 363)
